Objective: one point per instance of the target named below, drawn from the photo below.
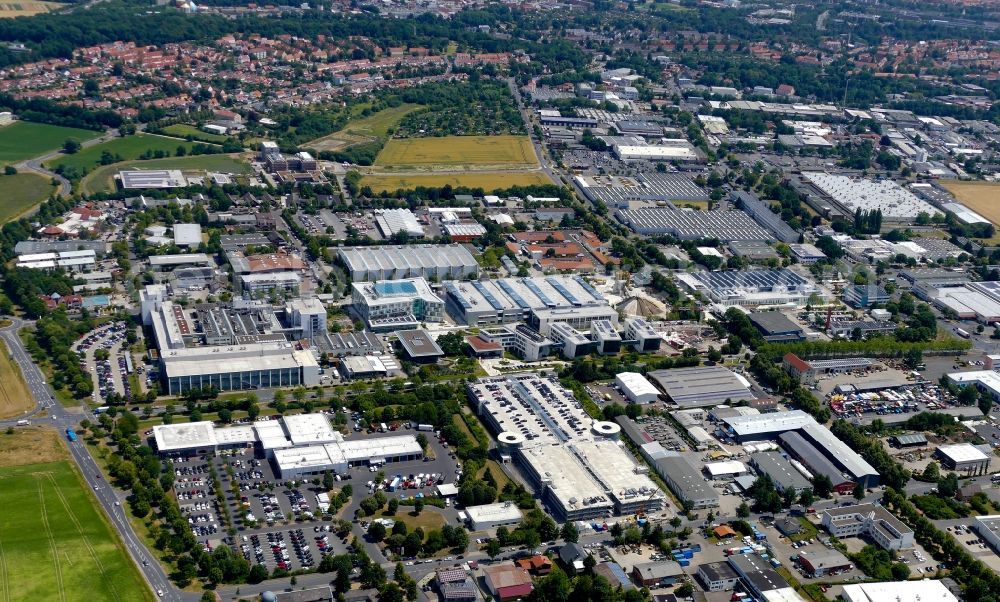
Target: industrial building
(820, 562)
(338, 456)
(402, 304)
(662, 573)
(619, 191)
(717, 576)
(987, 381)
(978, 301)
(726, 469)
(762, 214)
(812, 436)
(783, 474)
(755, 288)
(166, 263)
(491, 516)
(849, 194)
(815, 461)
(576, 463)
(441, 262)
(686, 482)
(865, 295)
(680, 150)
(419, 345)
(35, 247)
(398, 221)
(761, 580)
(806, 253)
(250, 367)
(702, 385)
(187, 235)
(988, 527)
(636, 388)
(689, 224)
(538, 301)
(964, 458)
(924, 590)
(71, 261)
(870, 520)
(152, 178)
(362, 366)
(776, 327)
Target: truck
(100, 410)
(425, 427)
(23, 422)
(962, 333)
(71, 435)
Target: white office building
(396, 304)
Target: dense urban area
(633, 301)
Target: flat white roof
(187, 234)
(235, 434)
(963, 452)
(925, 590)
(868, 195)
(636, 383)
(270, 434)
(500, 512)
(304, 429)
(191, 435)
(986, 378)
(725, 468)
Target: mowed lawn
(102, 178)
(54, 543)
(981, 197)
(487, 181)
(21, 192)
(14, 396)
(128, 148)
(23, 139)
(183, 130)
(458, 151)
(364, 129)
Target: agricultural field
(485, 180)
(128, 148)
(363, 129)
(183, 130)
(54, 542)
(9, 10)
(14, 397)
(102, 178)
(23, 139)
(21, 192)
(465, 152)
(981, 197)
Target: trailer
(100, 410)
(425, 427)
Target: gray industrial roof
(815, 461)
(762, 214)
(774, 323)
(780, 470)
(689, 483)
(686, 224)
(419, 343)
(408, 257)
(700, 386)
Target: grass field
(129, 148)
(364, 129)
(981, 197)
(23, 139)
(9, 10)
(21, 192)
(14, 396)
(486, 181)
(54, 543)
(458, 151)
(183, 130)
(102, 178)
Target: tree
(948, 486)
(393, 507)
(208, 596)
(859, 492)
(71, 146)
(743, 510)
(376, 531)
(932, 473)
(569, 532)
(328, 480)
(822, 486)
(684, 590)
(258, 573)
(418, 507)
(9, 170)
(806, 498)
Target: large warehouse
(850, 194)
(687, 224)
(636, 388)
(686, 482)
(964, 458)
(539, 301)
(390, 305)
(924, 590)
(812, 436)
(702, 385)
(443, 262)
(579, 468)
(618, 191)
(755, 288)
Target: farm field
(466, 152)
(21, 192)
(128, 148)
(981, 197)
(182, 130)
(102, 178)
(9, 10)
(54, 543)
(364, 129)
(23, 139)
(485, 180)
(14, 396)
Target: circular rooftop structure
(511, 439)
(603, 428)
(268, 597)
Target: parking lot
(109, 375)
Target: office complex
(396, 304)
(870, 520)
(576, 463)
(755, 288)
(433, 262)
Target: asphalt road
(60, 418)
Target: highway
(49, 411)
